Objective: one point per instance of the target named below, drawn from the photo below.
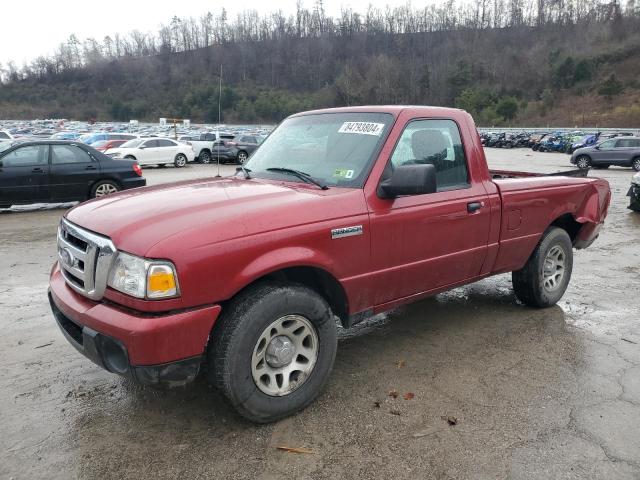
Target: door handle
(474, 206)
(37, 170)
(90, 167)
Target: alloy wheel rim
(636, 164)
(181, 160)
(284, 355)
(554, 267)
(242, 157)
(105, 189)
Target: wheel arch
(102, 179)
(317, 279)
(568, 223)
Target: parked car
(584, 141)
(245, 146)
(5, 135)
(208, 146)
(634, 193)
(96, 137)
(621, 151)
(154, 151)
(65, 136)
(58, 171)
(340, 214)
(105, 145)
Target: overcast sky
(29, 28)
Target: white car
(4, 135)
(154, 151)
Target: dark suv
(58, 171)
(621, 151)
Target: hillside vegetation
(519, 62)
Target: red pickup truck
(340, 214)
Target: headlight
(143, 278)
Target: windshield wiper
(305, 177)
(244, 170)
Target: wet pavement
(499, 390)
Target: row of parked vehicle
(566, 142)
(154, 149)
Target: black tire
(583, 162)
(104, 187)
(180, 160)
(242, 157)
(529, 282)
(236, 335)
(635, 164)
(204, 157)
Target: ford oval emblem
(67, 257)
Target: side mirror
(142, 147)
(597, 147)
(409, 180)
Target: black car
(61, 171)
(246, 145)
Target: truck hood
(197, 213)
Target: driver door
(426, 241)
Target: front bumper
(162, 350)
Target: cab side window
(438, 143)
(68, 154)
(26, 156)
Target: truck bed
(500, 174)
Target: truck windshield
(336, 149)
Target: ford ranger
(340, 214)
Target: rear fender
(592, 212)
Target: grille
(85, 259)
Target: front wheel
(545, 277)
(583, 162)
(272, 350)
(635, 164)
(180, 160)
(104, 187)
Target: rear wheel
(272, 350)
(583, 162)
(180, 160)
(104, 187)
(545, 277)
(635, 164)
(242, 157)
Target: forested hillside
(513, 62)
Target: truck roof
(392, 109)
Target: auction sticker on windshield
(362, 128)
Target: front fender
(280, 259)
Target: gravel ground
(499, 390)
